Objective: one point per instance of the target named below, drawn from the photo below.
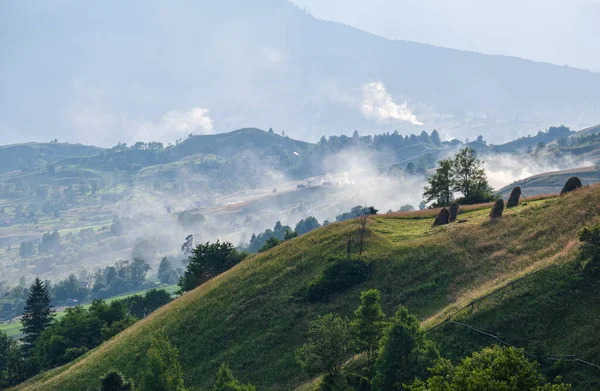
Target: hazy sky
(555, 31)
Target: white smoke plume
(378, 104)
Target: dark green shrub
(339, 275)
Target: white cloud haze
(378, 104)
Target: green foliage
(124, 276)
(404, 353)
(329, 345)
(492, 369)
(12, 369)
(306, 225)
(289, 235)
(37, 314)
(162, 369)
(226, 382)
(258, 242)
(166, 273)
(50, 240)
(271, 243)
(357, 211)
(141, 306)
(254, 310)
(114, 381)
(590, 248)
(80, 330)
(207, 261)
(339, 274)
(368, 323)
(469, 178)
(69, 289)
(440, 185)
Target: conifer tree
(37, 314)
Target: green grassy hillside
(254, 316)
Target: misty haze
(299, 195)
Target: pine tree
(37, 314)
(369, 322)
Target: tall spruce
(37, 315)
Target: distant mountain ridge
(267, 63)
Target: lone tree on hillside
(328, 347)
(368, 323)
(405, 353)
(37, 314)
(362, 219)
(163, 371)
(469, 177)
(462, 174)
(440, 185)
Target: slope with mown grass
(255, 315)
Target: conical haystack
(497, 210)
(453, 211)
(443, 218)
(513, 200)
(573, 183)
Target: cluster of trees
(125, 276)
(162, 372)
(280, 233)
(48, 342)
(208, 260)
(357, 211)
(462, 174)
(400, 356)
(167, 274)
(392, 141)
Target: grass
(254, 317)
(13, 329)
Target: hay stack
(497, 210)
(573, 183)
(442, 218)
(513, 200)
(453, 211)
